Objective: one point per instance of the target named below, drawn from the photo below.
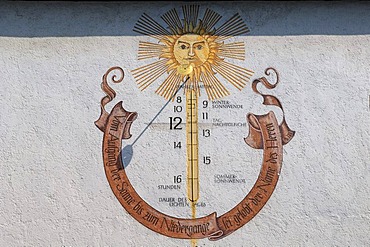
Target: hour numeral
(177, 179)
(206, 133)
(178, 99)
(176, 144)
(177, 108)
(205, 115)
(175, 122)
(206, 160)
(205, 103)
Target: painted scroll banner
(117, 127)
(266, 128)
(254, 138)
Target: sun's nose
(191, 51)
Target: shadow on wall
(77, 19)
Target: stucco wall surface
(53, 188)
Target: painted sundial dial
(186, 163)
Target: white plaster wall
(53, 188)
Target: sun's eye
(199, 47)
(183, 47)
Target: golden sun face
(191, 54)
(193, 49)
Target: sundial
(185, 172)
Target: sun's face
(191, 54)
(191, 49)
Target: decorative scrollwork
(265, 82)
(287, 133)
(110, 94)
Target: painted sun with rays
(194, 48)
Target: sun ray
(234, 50)
(235, 68)
(172, 19)
(144, 79)
(168, 84)
(190, 16)
(147, 26)
(207, 87)
(210, 19)
(165, 84)
(219, 87)
(233, 27)
(236, 75)
(168, 88)
(149, 50)
(214, 88)
(147, 74)
(240, 72)
(174, 86)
